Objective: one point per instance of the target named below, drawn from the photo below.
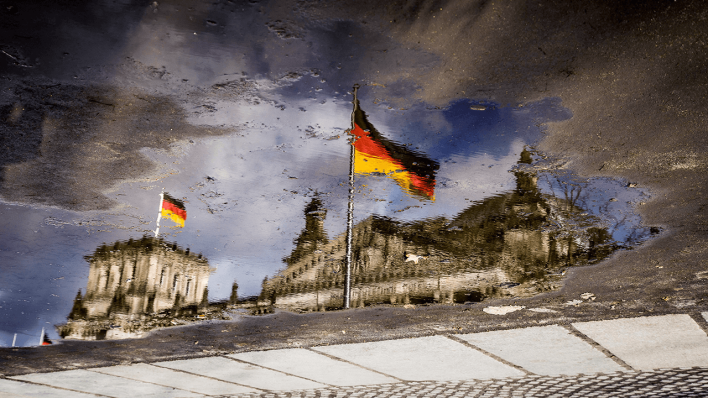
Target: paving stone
(424, 358)
(311, 365)
(173, 378)
(15, 389)
(241, 373)
(97, 383)
(655, 342)
(546, 350)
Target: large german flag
(373, 153)
(173, 209)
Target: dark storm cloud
(504, 50)
(65, 145)
(92, 76)
(59, 38)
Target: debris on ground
(503, 310)
(588, 296)
(541, 309)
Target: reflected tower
(313, 236)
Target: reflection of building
(132, 288)
(509, 244)
(313, 236)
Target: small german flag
(173, 209)
(373, 153)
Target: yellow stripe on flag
(172, 216)
(367, 164)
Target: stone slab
(15, 389)
(176, 379)
(241, 373)
(705, 315)
(314, 366)
(102, 384)
(546, 350)
(646, 343)
(434, 358)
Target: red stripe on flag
(423, 185)
(174, 209)
(367, 145)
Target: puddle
(267, 207)
(251, 137)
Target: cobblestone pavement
(684, 382)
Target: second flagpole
(350, 212)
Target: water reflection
(138, 285)
(513, 244)
(374, 154)
(245, 122)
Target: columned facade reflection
(135, 286)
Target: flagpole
(159, 212)
(350, 212)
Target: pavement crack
(57, 387)
(489, 354)
(280, 371)
(95, 370)
(209, 377)
(575, 332)
(355, 364)
(700, 319)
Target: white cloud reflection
(265, 173)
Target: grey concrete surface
(655, 342)
(242, 373)
(318, 367)
(425, 358)
(101, 384)
(15, 389)
(175, 379)
(546, 350)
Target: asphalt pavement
(665, 355)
